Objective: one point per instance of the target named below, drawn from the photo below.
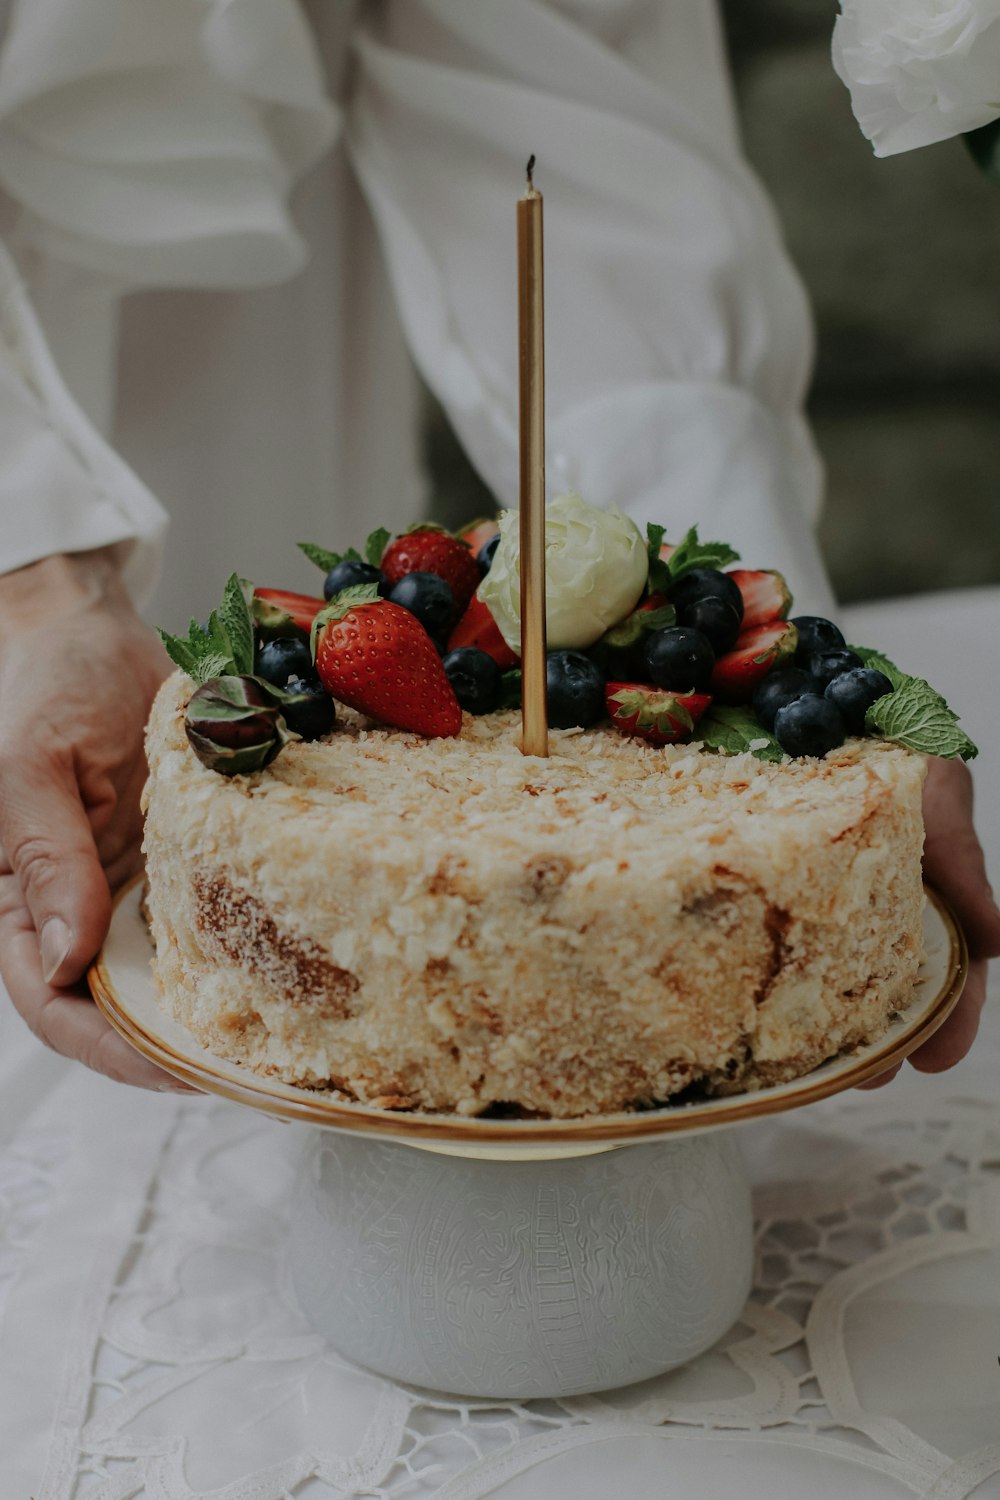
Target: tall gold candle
(531, 392)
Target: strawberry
(766, 596)
(275, 611)
(653, 714)
(477, 627)
(477, 534)
(376, 657)
(757, 651)
(428, 549)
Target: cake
(711, 884)
(445, 924)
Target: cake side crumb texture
(448, 925)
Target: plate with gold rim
(122, 984)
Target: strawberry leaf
(735, 731)
(691, 553)
(342, 604)
(376, 544)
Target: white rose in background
(919, 71)
(596, 566)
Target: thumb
(48, 842)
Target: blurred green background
(901, 258)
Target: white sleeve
(678, 340)
(143, 143)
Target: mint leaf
(510, 688)
(376, 545)
(209, 666)
(736, 730)
(659, 574)
(691, 553)
(238, 625)
(327, 560)
(179, 650)
(918, 718)
(880, 663)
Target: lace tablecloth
(150, 1347)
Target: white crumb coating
(449, 925)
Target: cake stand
(516, 1258)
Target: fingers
(48, 842)
(953, 857)
(66, 1021)
(952, 1041)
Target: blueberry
(717, 620)
(704, 583)
(809, 726)
(678, 658)
(311, 713)
(574, 688)
(484, 557)
(854, 693)
(288, 656)
(815, 634)
(428, 597)
(347, 575)
(826, 665)
(475, 679)
(780, 688)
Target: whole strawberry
(376, 657)
(428, 549)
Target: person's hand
(78, 671)
(954, 865)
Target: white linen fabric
(180, 184)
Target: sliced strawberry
(766, 596)
(477, 627)
(653, 714)
(757, 651)
(428, 549)
(667, 550)
(477, 534)
(277, 612)
(376, 657)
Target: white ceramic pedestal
(522, 1278)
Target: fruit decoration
(234, 725)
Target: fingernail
(55, 941)
(176, 1087)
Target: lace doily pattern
(869, 1344)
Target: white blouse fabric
(234, 227)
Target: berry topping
(809, 726)
(307, 707)
(477, 533)
(376, 657)
(780, 688)
(651, 714)
(476, 679)
(428, 597)
(854, 692)
(815, 634)
(347, 574)
(285, 656)
(574, 688)
(766, 596)
(826, 665)
(757, 651)
(678, 658)
(428, 549)
(477, 627)
(235, 725)
(704, 583)
(277, 612)
(484, 557)
(717, 620)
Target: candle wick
(531, 168)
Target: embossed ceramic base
(522, 1279)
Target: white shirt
(234, 225)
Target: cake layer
(447, 924)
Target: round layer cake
(446, 924)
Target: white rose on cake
(596, 565)
(919, 71)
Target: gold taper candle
(531, 392)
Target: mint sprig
(914, 714)
(376, 544)
(692, 553)
(224, 646)
(735, 731)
